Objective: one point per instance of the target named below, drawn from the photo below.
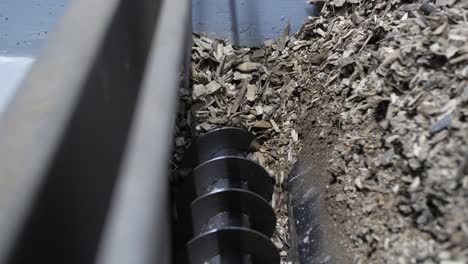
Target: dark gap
(346, 71)
(381, 110)
(436, 62)
(378, 35)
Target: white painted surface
(12, 72)
(24, 29)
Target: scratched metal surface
(24, 28)
(248, 22)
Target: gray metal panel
(249, 22)
(136, 230)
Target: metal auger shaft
(224, 215)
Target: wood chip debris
(240, 87)
(383, 82)
(393, 88)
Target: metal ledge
(65, 135)
(137, 229)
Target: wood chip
(248, 66)
(238, 100)
(251, 92)
(275, 126)
(199, 90)
(294, 135)
(212, 87)
(262, 124)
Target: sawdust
(396, 72)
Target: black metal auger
(223, 206)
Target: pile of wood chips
(242, 87)
(387, 82)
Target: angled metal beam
(137, 228)
(63, 136)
